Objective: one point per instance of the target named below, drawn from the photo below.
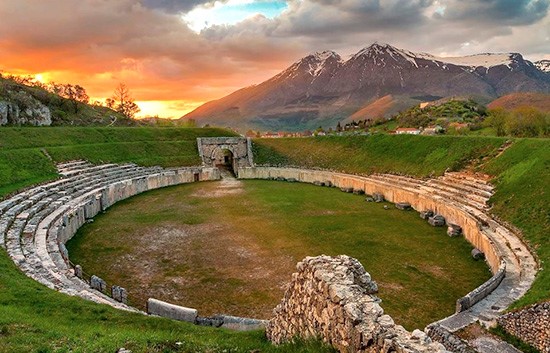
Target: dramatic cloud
(172, 6)
(149, 45)
(510, 12)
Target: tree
(76, 94)
(123, 102)
(497, 120)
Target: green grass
(412, 155)
(33, 318)
(521, 174)
(36, 319)
(522, 346)
(421, 271)
(23, 161)
(522, 198)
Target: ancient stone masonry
(240, 147)
(531, 325)
(455, 199)
(36, 223)
(333, 298)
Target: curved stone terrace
(36, 223)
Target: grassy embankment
(23, 161)
(521, 174)
(172, 248)
(36, 319)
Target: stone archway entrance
(233, 152)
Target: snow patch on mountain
(486, 60)
(543, 65)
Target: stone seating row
(513, 266)
(454, 191)
(36, 223)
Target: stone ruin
(333, 298)
(531, 325)
(210, 148)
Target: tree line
(121, 101)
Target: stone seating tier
(32, 221)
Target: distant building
(424, 105)
(407, 131)
(433, 130)
(459, 126)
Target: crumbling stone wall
(333, 298)
(531, 325)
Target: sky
(175, 55)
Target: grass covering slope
(522, 198)
(23, 159)
(521, 174)
(403, 154)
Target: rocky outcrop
(24, 110)
(531, 325)
(333, 298)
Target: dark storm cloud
(340, 17)
(509, 12)
(173, 6)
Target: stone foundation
(531, 325)
(333, 298)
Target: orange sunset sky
(175, 55)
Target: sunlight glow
(231, 12)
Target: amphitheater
(331, 298)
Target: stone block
(454, 230)
(437, 220)
(78, 271)
(171, 311)
(348, 190)
(119, 294)
(369, 199)
(426, 214)
(98, 284)
(477, 254)
(404, 206)
(358, 191)
(378, 197)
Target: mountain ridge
(323, 88)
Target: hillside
(443, 113)
(21, 104)
(512, 101)
(25, 152)
(520, 174)
(323, 88)
(383, 108)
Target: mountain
(512, 101)
(322, 88)
(543, 65)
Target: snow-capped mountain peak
(486, 60)
(543, 65)
(377, 51)
(313, 64)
